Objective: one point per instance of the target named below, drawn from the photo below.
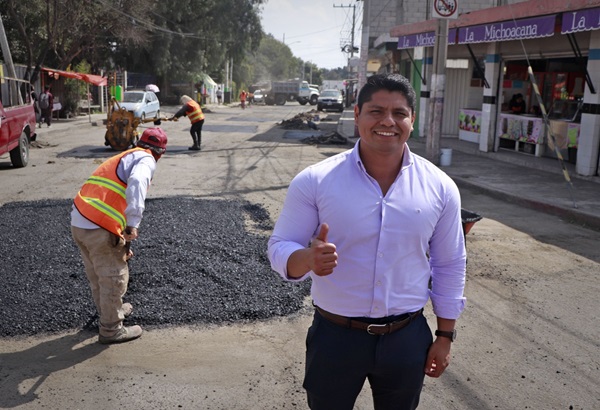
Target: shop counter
(469, 125)
(524, 133)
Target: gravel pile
(197, 261)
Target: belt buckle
(374, 325)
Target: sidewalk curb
(572, 215)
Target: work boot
(125, 334)
(196, 146)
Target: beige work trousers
(104, 259)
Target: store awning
(524, 29)
(88, 78)
(426, 39)
(524, 20)
(580, 20)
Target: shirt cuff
(447, 307)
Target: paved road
(525, 338)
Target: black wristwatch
(449, 334)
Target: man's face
(385, 122)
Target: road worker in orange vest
(106, 214)
(194, 113)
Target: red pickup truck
(17, 120)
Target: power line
(148, 25)
(315, 32)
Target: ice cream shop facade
(490, 98)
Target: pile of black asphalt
(197, 261)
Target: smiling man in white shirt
(384, 235)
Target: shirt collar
(407, 158)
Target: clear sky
(314, 30)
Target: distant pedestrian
(36, 105)
(219, 96)
(105, 218)
(243, 96)
(46, 102)
(192, 110)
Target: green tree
(173, 40)
(196, 37)
(57, 33)
(273, 61)
(74, 90)
(170, 39)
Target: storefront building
(489, 55)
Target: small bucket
(446, 157)
(468, 219)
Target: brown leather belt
(377, 329)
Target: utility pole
(443, 10)
(349, 50)
(353, 25)
(438, 87)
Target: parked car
(330, 100)
(143, 104)
(259, 96)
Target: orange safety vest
(102, 197)
(197, 114)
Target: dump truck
(281, 91)
(17, 120)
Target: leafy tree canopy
(170, 39)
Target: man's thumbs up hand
(323, 256)
(322, 236)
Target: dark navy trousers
(339, 360)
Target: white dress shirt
(388, 246)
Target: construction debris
(330, 138)
(300, 121)
(312, 120)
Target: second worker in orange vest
(194, 113)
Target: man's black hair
(389, 82)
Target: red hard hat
(154, 139)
